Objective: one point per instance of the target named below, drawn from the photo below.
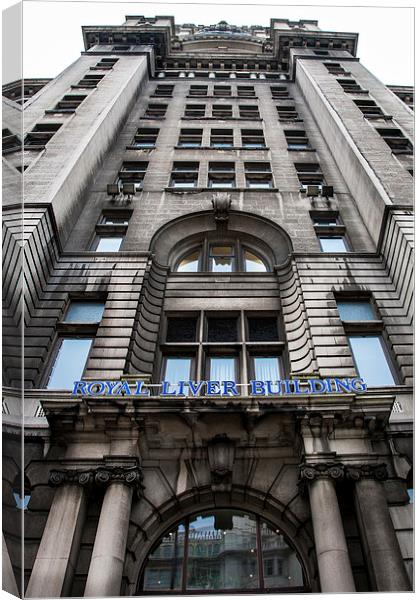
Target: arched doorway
(222, 550)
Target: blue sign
(282, 387)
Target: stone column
(55, 562)
(107, 562)
(382, 550)
(331, 548)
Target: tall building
(219, 204)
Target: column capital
(101, 476)
(367, 471)
(327, 470)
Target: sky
(53, 39)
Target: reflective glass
(280, 563)
(370, 360)
(222, 552)
(189, 263)
(177, 369)
(109, 244)
(70, 363)
(359, 310)
(84, 312)
(164, 566)
(221, 264)
(253, 263)
(267, 368)
(222, 368)
(332, 244)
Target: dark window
(146, 137)
(287, 112)
(90, 80)
(258, 175)
(11, 142)
(195, 110)
(222, 90)
(133, 172)
(69, 103)
(164, 91)
(181, 329)
(155, 111)
(222, 111)
(349, 85)
(262, 329)
(297, 140)
(253, 138)
(221, 174)
(190, 138)
(184, 174)
(279, 91)
(198, 90)
(41, 134)
(221, 329)
(249, 112)
(221, 138)
(369, 108)
(246, 91)
(309, 174)
(396, 140)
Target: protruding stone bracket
(101, 476)
(221, 202)
(221, 454)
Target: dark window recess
(369, 108)
(309, 174)
(133, 172)
(335, 68)
(222, 329)
(41, 134)
(146, 137)
(222, 111)
(246, 91)
(279, 91)
(106, 63)
(221, 174)
(190, 138)
(222, 90)
(11, 142)
(249, 112)
(262, 329)
(195, 110)
(297, 140)
(349, 85)
(154, 111)
(253, 138)
(396, 140)
(287, 113)
(198, 90)
(120, 48)
(181, 329)
(164, 91)
(184, 174)
(221, 138)
(90, 80)
(258, 175)
(69, 102)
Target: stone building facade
(208, 203)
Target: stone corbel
(221, 202)
(221, 454)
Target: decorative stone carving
(221, 205)
(221, 453)
(101, 476)
(309, 473)
(356, 472)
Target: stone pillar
(331, 548)
(107, 562)
(382, 550)
(55, 562)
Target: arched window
(221, 257)
(223, 550)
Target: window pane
(70, 363)
(332, 244)
(222, 552)
(222, 251)
(266, 368)
(181, 329)
(84, 312)
(222, 368)
(189, 264)
(222, 264)
(109, 244)
(253, 263)
(359, 310)
(281, 565)
(222, 330)
(370, 360)
(262, 329)
(177, 369)
(164, 566)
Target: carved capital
(70, 476)
(333, 471)
(101, 476)
(357, 472)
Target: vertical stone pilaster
(380, 542)
(331, 548)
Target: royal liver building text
(220, 219)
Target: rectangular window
(221, 138)
(41, 134)
(181, 329)
(106, 63)
(252, 138)
(90, 81)
(356, 310)
(287, 113)
(321, 221)
(371, 360)
(266, 368)
(108, 243)
(262, 329)
(333, 244)
(222, 329)
(258, 175)
(396, 140)
(350, 86)
(369, 108)
(309, 174)
(184, 174)
(146, 137)
(297, 140)
(279, 91)
(221, 175)
(178, 368)
(164, 91)
(82, 311)
(196, 111)
(133, 172)
(246, 91)
(222, 368)
(69, 103)
(249, 111)
(190, 138)
(69, 363)
(222, 90)
(222, 111)
(198, 90)
(221, 259)
(155, 111)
